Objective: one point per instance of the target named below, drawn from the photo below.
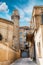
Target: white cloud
(4, 10)
(22, 13)
(5, 16)
(28, 9)
(27, 19)
(3, 7)
(8, 16)
(26, 12)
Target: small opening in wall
(39, 50)
(26, 46)
(42, 18)
(1, 37)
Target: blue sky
(24, 7)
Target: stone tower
(15, 18)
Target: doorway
(34, 53)
(24, 54)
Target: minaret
(15, 18)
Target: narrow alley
(24, 61)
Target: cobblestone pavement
(24, 61)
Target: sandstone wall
(7, 54)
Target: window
(39, 50)
(20, 39)
(42, 18)
(1, 37)
(26, 46)
(20, 33)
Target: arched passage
(32, 51)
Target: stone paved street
(24, 61)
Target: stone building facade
(23, 31)
(37, 26)
(39, 45)
(37, 15)
(38, 33)
(9, 39)
(24, 45)
(6, 32)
